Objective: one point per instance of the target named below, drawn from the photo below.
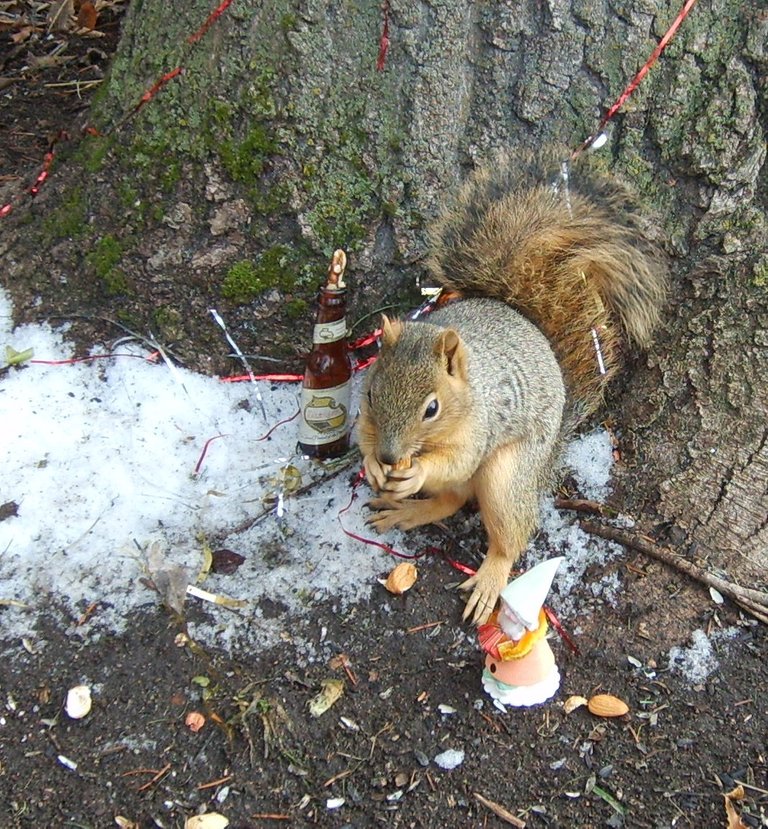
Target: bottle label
(324, 414)
(329, 332)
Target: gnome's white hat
(526, 594)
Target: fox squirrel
(472, 403)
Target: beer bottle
(325, 395)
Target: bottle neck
(330, 321)
(332, 305)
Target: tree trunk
(282, 141)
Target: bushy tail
(574, 261)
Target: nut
(606, 705)
(402, 578)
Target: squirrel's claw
(393, 512)
(486, 585)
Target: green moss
(69, 220)
(760, 271)
(105, 255)
(168, 321)
(296, 309)
(244, 160)
(245, 280)
(116, 283)
(104, 258)
(92, 152)
(342, 198)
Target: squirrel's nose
(388, 458)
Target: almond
(606, 705)
(402, 578)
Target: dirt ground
(410, 669)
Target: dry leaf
(226, 562)
(169, 579)
(87, 16)
(60, 15)
(332, 691)
(574, 702)
(23, 33)
(194, 721)
(402, 578)
(734, 818)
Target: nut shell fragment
(402, 578)
(78, 703)
(606, 705)
(574, 702)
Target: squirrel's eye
(433, 407)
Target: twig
(584, 505)
(425, 626)
(753, 601)
(215, 783)
(500, 811)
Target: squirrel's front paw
(401, 483)
(375, 472)
(394, 512)
(486, 585)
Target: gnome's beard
(512, 625)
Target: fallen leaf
(60, 14)
(332, 689)
(87, 16)
(734, 818)
(226, 562)
(170, 580)
(402, 578)
(15, 358)
(23, 33)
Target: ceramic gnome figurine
(519, 664)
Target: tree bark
(282, 141)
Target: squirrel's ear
(390, 330)
(450, 346)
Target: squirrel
(473, 402)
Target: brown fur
(570, 271)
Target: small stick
(585, 505)
(426, 626)
(500, 811)
(753, 601)
(214, 783)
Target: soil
(410, 669)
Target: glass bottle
(325, 395)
